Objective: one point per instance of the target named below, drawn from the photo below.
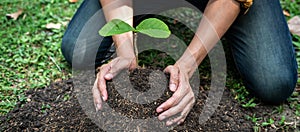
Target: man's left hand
(177, 107)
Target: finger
(174, 121)
(174, 77)
(182, 117)
(133, 65)
(115, 67)
(174, 100)
(181, 91)
(97, 96)
(102, 82)
(188, 99)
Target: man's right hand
(107, 72)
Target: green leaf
(154, 28)
(282, 120)
(114, 27)
(265, 124)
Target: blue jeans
(260, 40)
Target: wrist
(124, 45)
(132, 61)
(192, 57)
(128, 55)
(186, 67)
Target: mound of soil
(56, 108)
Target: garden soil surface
(56, 108)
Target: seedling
(267, 123)
(278, 110)
(45, 107)
(250, 104)
(282, 120)
(253, 118)
(152, 27)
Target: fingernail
(178, 123)
(159, 110)
(172, 87)
(162, 117)
(98, 107)
(168, 123)
(109, 76)
(103, 98)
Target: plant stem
(135, 46)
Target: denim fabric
(78, 45)
(260, 41)
(263, 51)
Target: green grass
(31, 57)
(30, 53)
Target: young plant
(268, 123)
(282, 120)
(253, 118)
(250, 104)
(152, 27)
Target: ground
(37, 91)
(56, 108)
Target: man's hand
(107, 72)
(176, 108)
(114, 9)
(210, 29)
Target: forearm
(218, 17)
(116, 9)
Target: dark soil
(56, 108)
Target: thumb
(113, 71)
(109, 76)
(174, 77)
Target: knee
(275, 88)
(67, 47)
(71, 51)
